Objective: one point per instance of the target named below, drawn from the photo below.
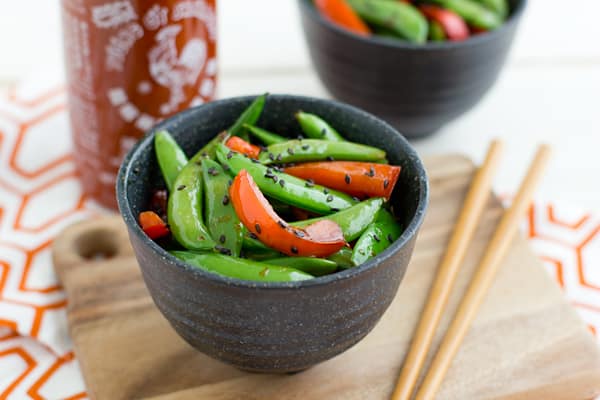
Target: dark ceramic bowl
(272, 327)
(416, 88)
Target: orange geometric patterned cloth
(40, 195)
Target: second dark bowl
(416, 88)
(272, 327)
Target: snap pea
(312, 265)
(436, 32)
(376, 238)
(500, 7)
(223, 223)
(343, 258)
(353, 220)
(241, 268)
(171, 159)
(318, 150)
(264, 136)
(208, 151)
(261, 255)
(402, 18)
(475, 14)
(284, 187)
(184, 208)
(315, 127)
(249, 116)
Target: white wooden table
(549, 91)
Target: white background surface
(549, 91)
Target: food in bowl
(416, 21)
(277, 210)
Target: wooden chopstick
(484, 277)
(467, 222)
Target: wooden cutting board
(526, 343)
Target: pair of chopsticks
(437, 302)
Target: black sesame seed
(275, 178)
(199, 162)
(325, 191)
(355, 198)
(323, 132)
(229, 155)
(299, 233)
(290, 151)
(255, 161)
(309, 184)
(271, 157)
(223, 250)
(371, 172)
(386, 183)
(330, 158)
(329, 198)
(279, 157)
(390, 238)
(269, 170)
(268, 175)
(300, 137)
(213, 171)
(136, 170)
(281, 224)
(257, 227)
(281, 182)
(347, 179)
(222, 238)
(226, 167)
(294, 249)
(230, 182)
(225, 200)
(262, 148)
(305, 147)
(204, 154)
(251, 235)
(333, 209)
(376, 238)
(180, 187)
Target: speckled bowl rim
(513, 18)
(411, 230)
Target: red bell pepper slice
(340, 13)
(455, 27)
(238, 144)
(361, 179)
(320, 239)
(153, 225)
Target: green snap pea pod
(241, 268)
(253, 245)
(223, 223)
(500, 7)
(184, 208)
(376, 238)
(250, 115)
(318, 150)
(171, 159)
(284, 187)
(436, 32)
(312, 265)
(209, 149)
(353, 220)
(261, 255)
(343, 258)
(475, 14)
(264, 136)
(404, 19)
(315, 127)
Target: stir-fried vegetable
(239, 210)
